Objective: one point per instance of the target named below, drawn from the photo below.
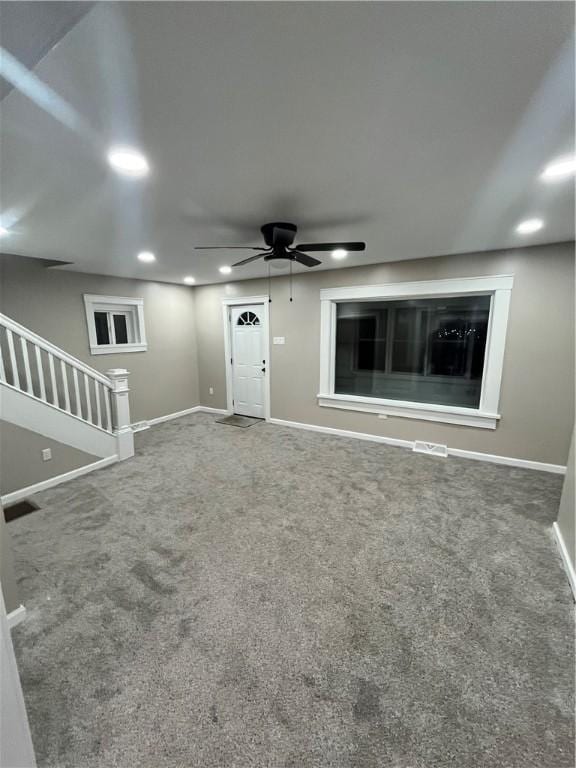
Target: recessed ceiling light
(339, 253)
(128, 161)
(225, 270)
(529, 226)
(189, 280)
(146, 256)
(560, 169)
(4, 232)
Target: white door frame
(263, 302)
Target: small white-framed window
(430, 350)
(115, 324)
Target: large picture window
(424, 350)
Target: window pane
(409, 344)
(423, 350)
(101, 322)
(120, 329)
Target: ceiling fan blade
(331, 246)
(303, 258)
(249, 259)
(227, 248)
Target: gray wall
(537, 397)
(164, 379)
(567, 512)
(21, 462)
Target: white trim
(53, 407)
(510, 461)
(112, 349)
(345, 433)
(206, 409)
(16, 616)
(24, 410)
(122, 303)
(568, 566)
(139, 426)
(23, 493)
(170, 416)
(486, 416)
(469, 417)
(422, 288)
(52, 349)
(241, 301)
(458, 452)
(178, 414)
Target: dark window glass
(120, 329)
(423, 350)
(248, 318)
(409, 340)
(102, 333)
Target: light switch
(279, 340)
(47, 454)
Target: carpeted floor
(271, 598)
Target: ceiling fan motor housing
(279, 233)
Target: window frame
(487, 416)
(132, 308)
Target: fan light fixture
(128, 161)
(529, 226)
(559, 169)
(147, 257)
(339, 253)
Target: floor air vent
(19, 509)
(433, 449)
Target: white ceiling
(420, 128)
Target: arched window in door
(248, 318)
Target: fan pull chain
(290, 279)
(269, 286)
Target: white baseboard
(459, 452)
(177, 415)
(568, 565)
(23, 493)
(540, 466)
(16, 616)
(140, 426)
(345, 433)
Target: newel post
(121, 412)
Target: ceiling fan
(279, 238)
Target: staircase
(46, 390)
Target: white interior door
(248, 360)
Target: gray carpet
(273, 598)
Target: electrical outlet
(211, 390)
(46, 454)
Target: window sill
(468, 417)
(110, 349)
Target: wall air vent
(433, 449)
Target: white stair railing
(45, 372)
